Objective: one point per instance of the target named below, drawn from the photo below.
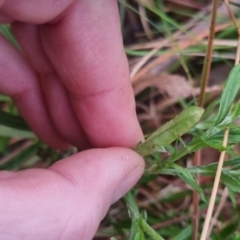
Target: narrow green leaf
(184, 234)
(21, 158)
(5, 98)
(6, 31)
(234, 135)
(229, 93)
(132, 207)
(133, 211)
(13, 132)
(210, 132)
(236, 167)
(213, 166)
(149, 230)
(210, 109)
(193, 170)
(213, 143)
(138, 223)
(232, 115)
(3, 143)
(170, 131)
(232, 196)
(13, 121)
(232, 182)
(136, 231)
(193, 146)
(187, 177)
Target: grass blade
(189, 179)
(150, 231)
(10, 120)
(229, 93)
(184, 234)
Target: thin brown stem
(195, 218)
(225, 140)
(204, 82)
(207, 61)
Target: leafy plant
(183, 123)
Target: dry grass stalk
(225, 140)
(204, 83)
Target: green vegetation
(169, 38)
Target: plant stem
(215, 188)
(221, 160)
(207, 60)
(218, 211)
(195, 218)
(150, 231)
(204, 82)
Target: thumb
(68, 200)
(110, 172)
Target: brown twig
(204, 83)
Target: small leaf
(133, 211)
(233, 115)
(229, 93)
(136, 231)
(232, 182)
(131, 206)
(189, 179)
(193, 146)
(216, 144)
(210, 132)
(170, 131)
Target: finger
(56, 97)
(86, 49)
(19, 81)
(4, 20)
(34, 11)
(69, 200)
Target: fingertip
(107, 174)
(132, 177)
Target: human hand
(76, 89)
(72, 87)
(68, 200)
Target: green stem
(150, 231)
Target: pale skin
(71, 84)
